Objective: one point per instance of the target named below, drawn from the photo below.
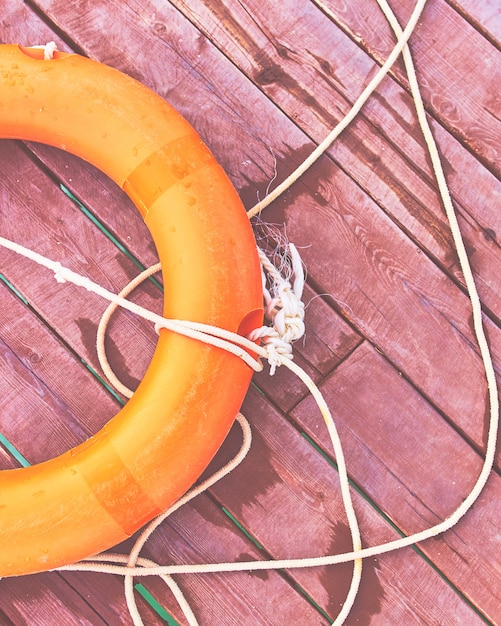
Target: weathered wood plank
(394, 296)
(485, 15)
(292, 486)
(43, 597)
(103, 198)
(383, 150)
(383, 283)
(19, 24)
(412, 465)
(75, 598)
(31, 363)
(461, 92)
(105, 594)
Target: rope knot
(283, 308)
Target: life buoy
(99, 493)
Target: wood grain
(483, 14)
(383, 150)
(412, 465)
(59, 230)
(263, 82)
(460, 90)
(388, 268)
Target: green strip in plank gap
(97, 222)
(13, 451)
(155, 605)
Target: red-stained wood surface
(389, 335)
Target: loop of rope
(103, 325)
(48, 50)
(238, 346)
(286, 316)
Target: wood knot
(271, 74)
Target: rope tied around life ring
(283, 308)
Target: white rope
(48, 50)
(282, 307)
(346, 121)
(234, 344)
(103, 325)
(134, 565)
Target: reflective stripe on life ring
(99, 493)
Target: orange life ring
(149, 454)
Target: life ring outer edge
(99, 493)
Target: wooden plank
(6, 460)
(20, 25)
(31, 363)
(103, 198)
(485, 15)
(446, 50)
(293, 486)
(383, 283)
(43, 597)
(415, 467)
(395, 296)
(383, 150)
(105, 594)
(77, 599)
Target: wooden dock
(389, 337)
